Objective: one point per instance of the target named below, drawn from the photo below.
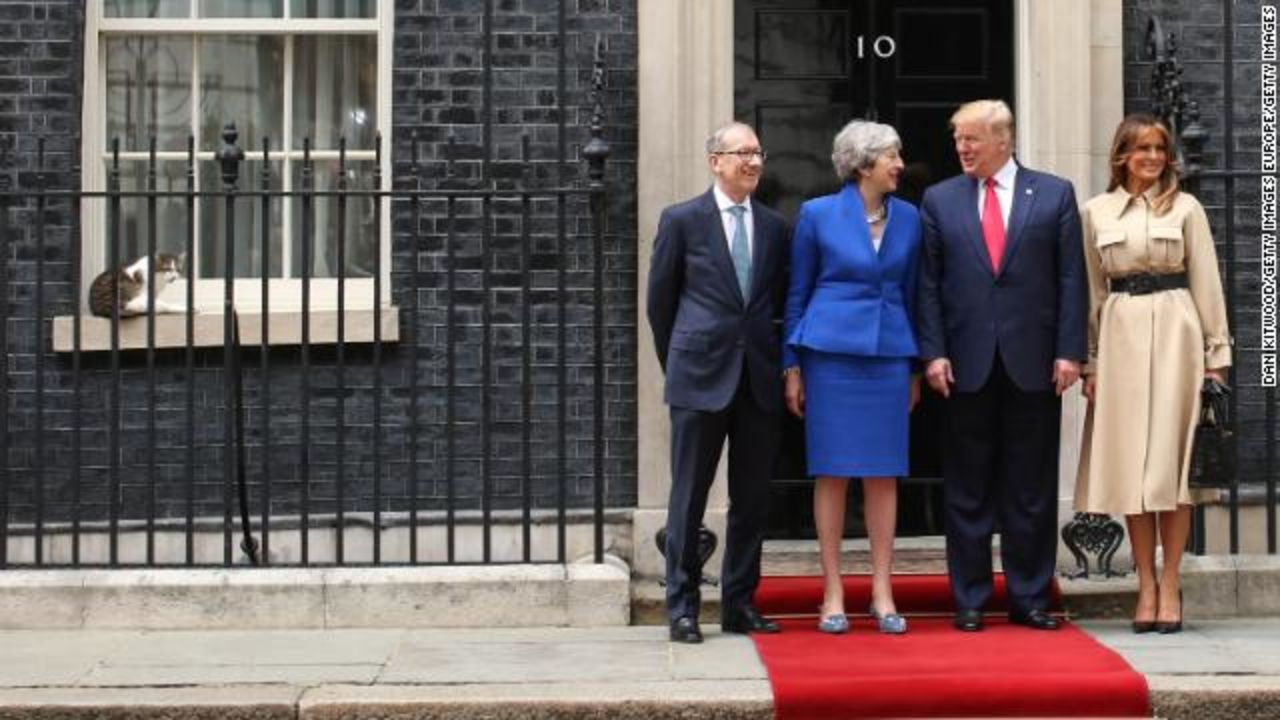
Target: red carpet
(934, 670)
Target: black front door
(804, 68)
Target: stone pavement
(1216, 668)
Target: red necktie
(993, 225)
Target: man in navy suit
(715, 289)
(1002, 330)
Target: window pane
(135, 225)
(242, 81)
(334, 91)
(148, 8)
(332, 8)
(241, 8)
(248, 223)
(361, 222)
(149, 91)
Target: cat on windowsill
(133, 287)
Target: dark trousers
(1001, 470)
(697, 438)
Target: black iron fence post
(229, 157)
(597, 152)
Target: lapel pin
(1028, 191)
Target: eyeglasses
(744, 155)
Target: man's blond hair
(995, 113)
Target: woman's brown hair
(1131, 128)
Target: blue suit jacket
(844, 296)
(703, 329)
(1032, 311)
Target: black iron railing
(88, 462)
(1172, 102)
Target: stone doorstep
(579, 595)
(1215, 586)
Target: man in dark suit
(1002, 326)
(715, 289)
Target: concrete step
(1173, 697)
(576, 594)
(674, 700)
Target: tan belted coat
(1149, 352)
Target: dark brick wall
(438, 94)
(1210, 52)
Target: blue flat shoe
(834, 624)
(891, 624)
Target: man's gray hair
(859, 144)
(715, 141)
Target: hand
(1219, 374)
(795, 394)
(939, 376)
(915, 392)
(1090, 386)
(1065, 374)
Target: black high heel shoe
(1171, 627)
(1145, 626)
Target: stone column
(1070, 89)
(686, 91)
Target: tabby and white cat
(133, 287)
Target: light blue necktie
(740, 251)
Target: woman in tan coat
(1157, 329)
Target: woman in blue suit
(848, 353)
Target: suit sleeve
(666, 282)
(928, 306)
(1073, 291)
(804, 274)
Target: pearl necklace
(878, 215)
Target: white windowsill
(284, 328)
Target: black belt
(1146, 284)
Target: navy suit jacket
(703, 329)
(1032, 311)
(844, 296)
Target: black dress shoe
(1036, 619)
(745, 620)
(968, 620)
(685, 630)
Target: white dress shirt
(1004, 190)
(730, 223)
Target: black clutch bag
(1213, 454)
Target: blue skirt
(857, 415)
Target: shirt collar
(1005, 175)
(1123, 199)
(723, 202)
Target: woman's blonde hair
(1127, 134)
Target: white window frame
(286, 293)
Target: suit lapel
(973, 226)
(1024, 196)
(761, 249)
(853, 215)
(720, 244)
